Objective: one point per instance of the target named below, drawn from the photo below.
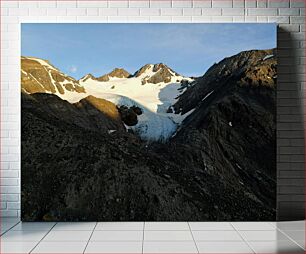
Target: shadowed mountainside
(220, 164)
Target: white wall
(290, 14)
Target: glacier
(154, 124)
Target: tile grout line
(42, 238)
(143, 232)
(90, 236)
(193, 238)
(14, 225)
(245, 241)
(273, 225)
(291, 239)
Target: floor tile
(216, 236)
(168, 236)
(33, 226)
(5, 226)
(60, 247)
(69, 226)
(166, 226)
(211, 226)
(301, 243)
(273, 235)
(297, 235)
(3, 230)
(114, 247)
(23, 236)
(276, 247)
(253, 226)
(120, 226)
(291, 225)
(101, 236)
(223, 247)
(69, 236)
(17, 247)
(169, 247)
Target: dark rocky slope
(231, 131)
(71, 171)
(220, 165)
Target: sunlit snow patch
(267, 57)
(154, 124)
(151, 126)
(207, 95)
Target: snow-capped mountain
(144, 91)
(154, 88)
(39, 76)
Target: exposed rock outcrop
(129, 115)
(87, 77)
(39, 76)
(155, 73)
(232, 129)
(116, 73)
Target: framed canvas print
(148, 122)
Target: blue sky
(189, 49)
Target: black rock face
(72, 173)
(220, 165)
(232, 130)
(129, 115)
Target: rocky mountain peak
(87, 77)
(142, 70)
(39, 76)
(164, 67)
(149, 73)
(115, 73)
(155, 73)
(251, 70)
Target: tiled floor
(152, 237)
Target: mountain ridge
(151, 73)
(39, 75)
(174, 99)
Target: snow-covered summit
(154, 88)
(155, 73)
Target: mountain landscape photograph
(148, 122)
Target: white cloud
(73, 69)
